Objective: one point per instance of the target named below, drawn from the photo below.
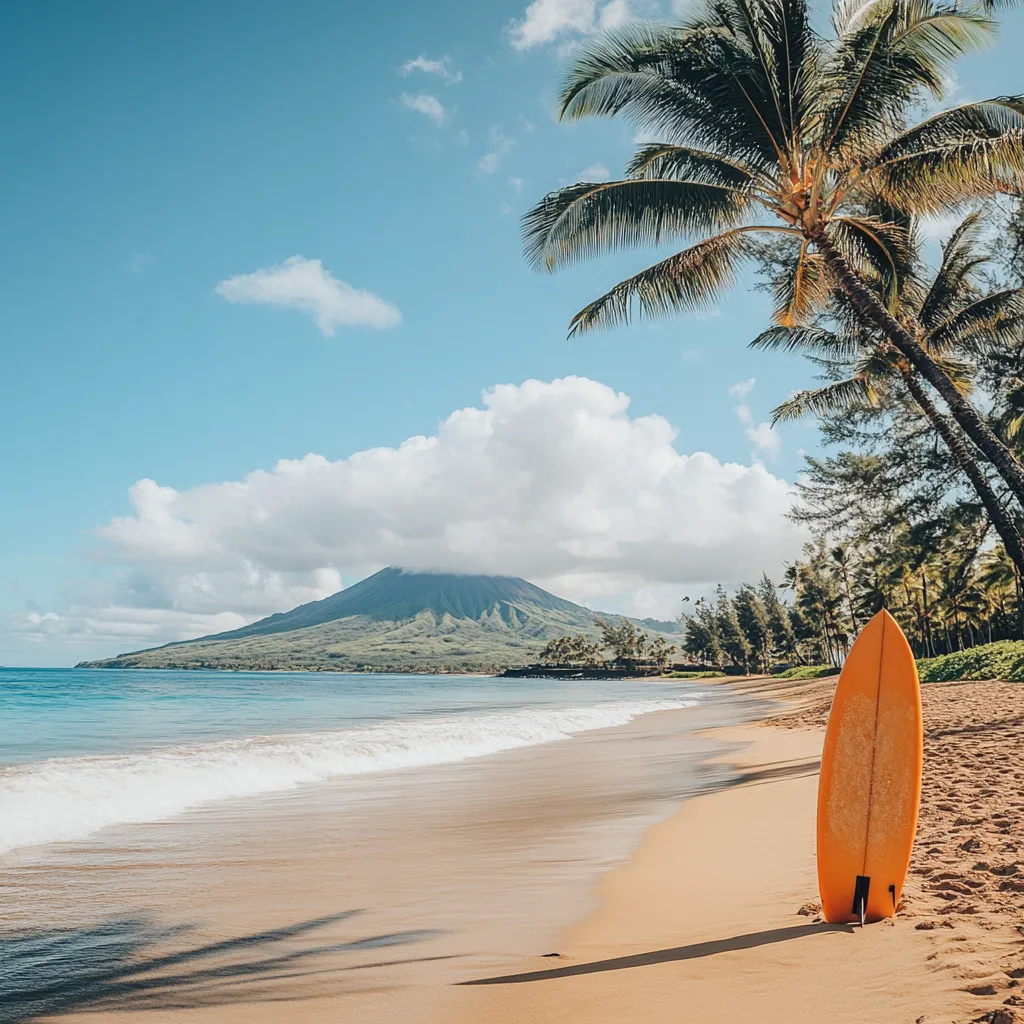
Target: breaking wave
(69, 798)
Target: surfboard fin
(860, 897)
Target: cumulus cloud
(764, 436)
(554, 481)
(441, 68)
(547, 20)
(501, 146)
(427, 104)
(305, 285)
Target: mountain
(395, 621)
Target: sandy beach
(582, 881)
(715, 917)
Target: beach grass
(807, 672)
(1003, 659)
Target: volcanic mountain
(395, 620)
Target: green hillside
(395, 621)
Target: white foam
(69, 798)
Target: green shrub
(1002, 660)
(808, 672)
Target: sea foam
(69, 798)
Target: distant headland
(400, 621)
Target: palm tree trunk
(1020, 603)
(873, 312)
(957, 446)
(924, 608)
(908, 597)
(849, 601)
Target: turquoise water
(81, 749)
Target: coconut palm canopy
(763, 125)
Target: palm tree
(762, 126)
(957, 322)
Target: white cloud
(938, 228)
(442, 68)
(595, 172)
(501, 146)
(742, 389)
(613, 15)
(546, 20)
(554, 481)
(766, 439)
(764, 436)
(516, 184)
(305, 285)
(427, 104)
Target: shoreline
(373, 895)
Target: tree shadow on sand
(662, 956)
(115, 965)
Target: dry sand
(714, 919)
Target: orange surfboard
(870, 786)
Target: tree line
(626, 645)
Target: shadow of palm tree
(661, 956)
(115, 965)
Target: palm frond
(813, 341)
(968, 152)
(589, 218)
(989, 322)
(830, 400)
(684, 163)
(960, 258)
(780, 34)
(612, 73)
(887, 51)
(698, 85)
(803, 292)
(689, 281)
(877, 249)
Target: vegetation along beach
(430, 666)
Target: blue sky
(160, 155)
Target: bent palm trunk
(868, 307)
(958, 448)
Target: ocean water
(84, 749)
